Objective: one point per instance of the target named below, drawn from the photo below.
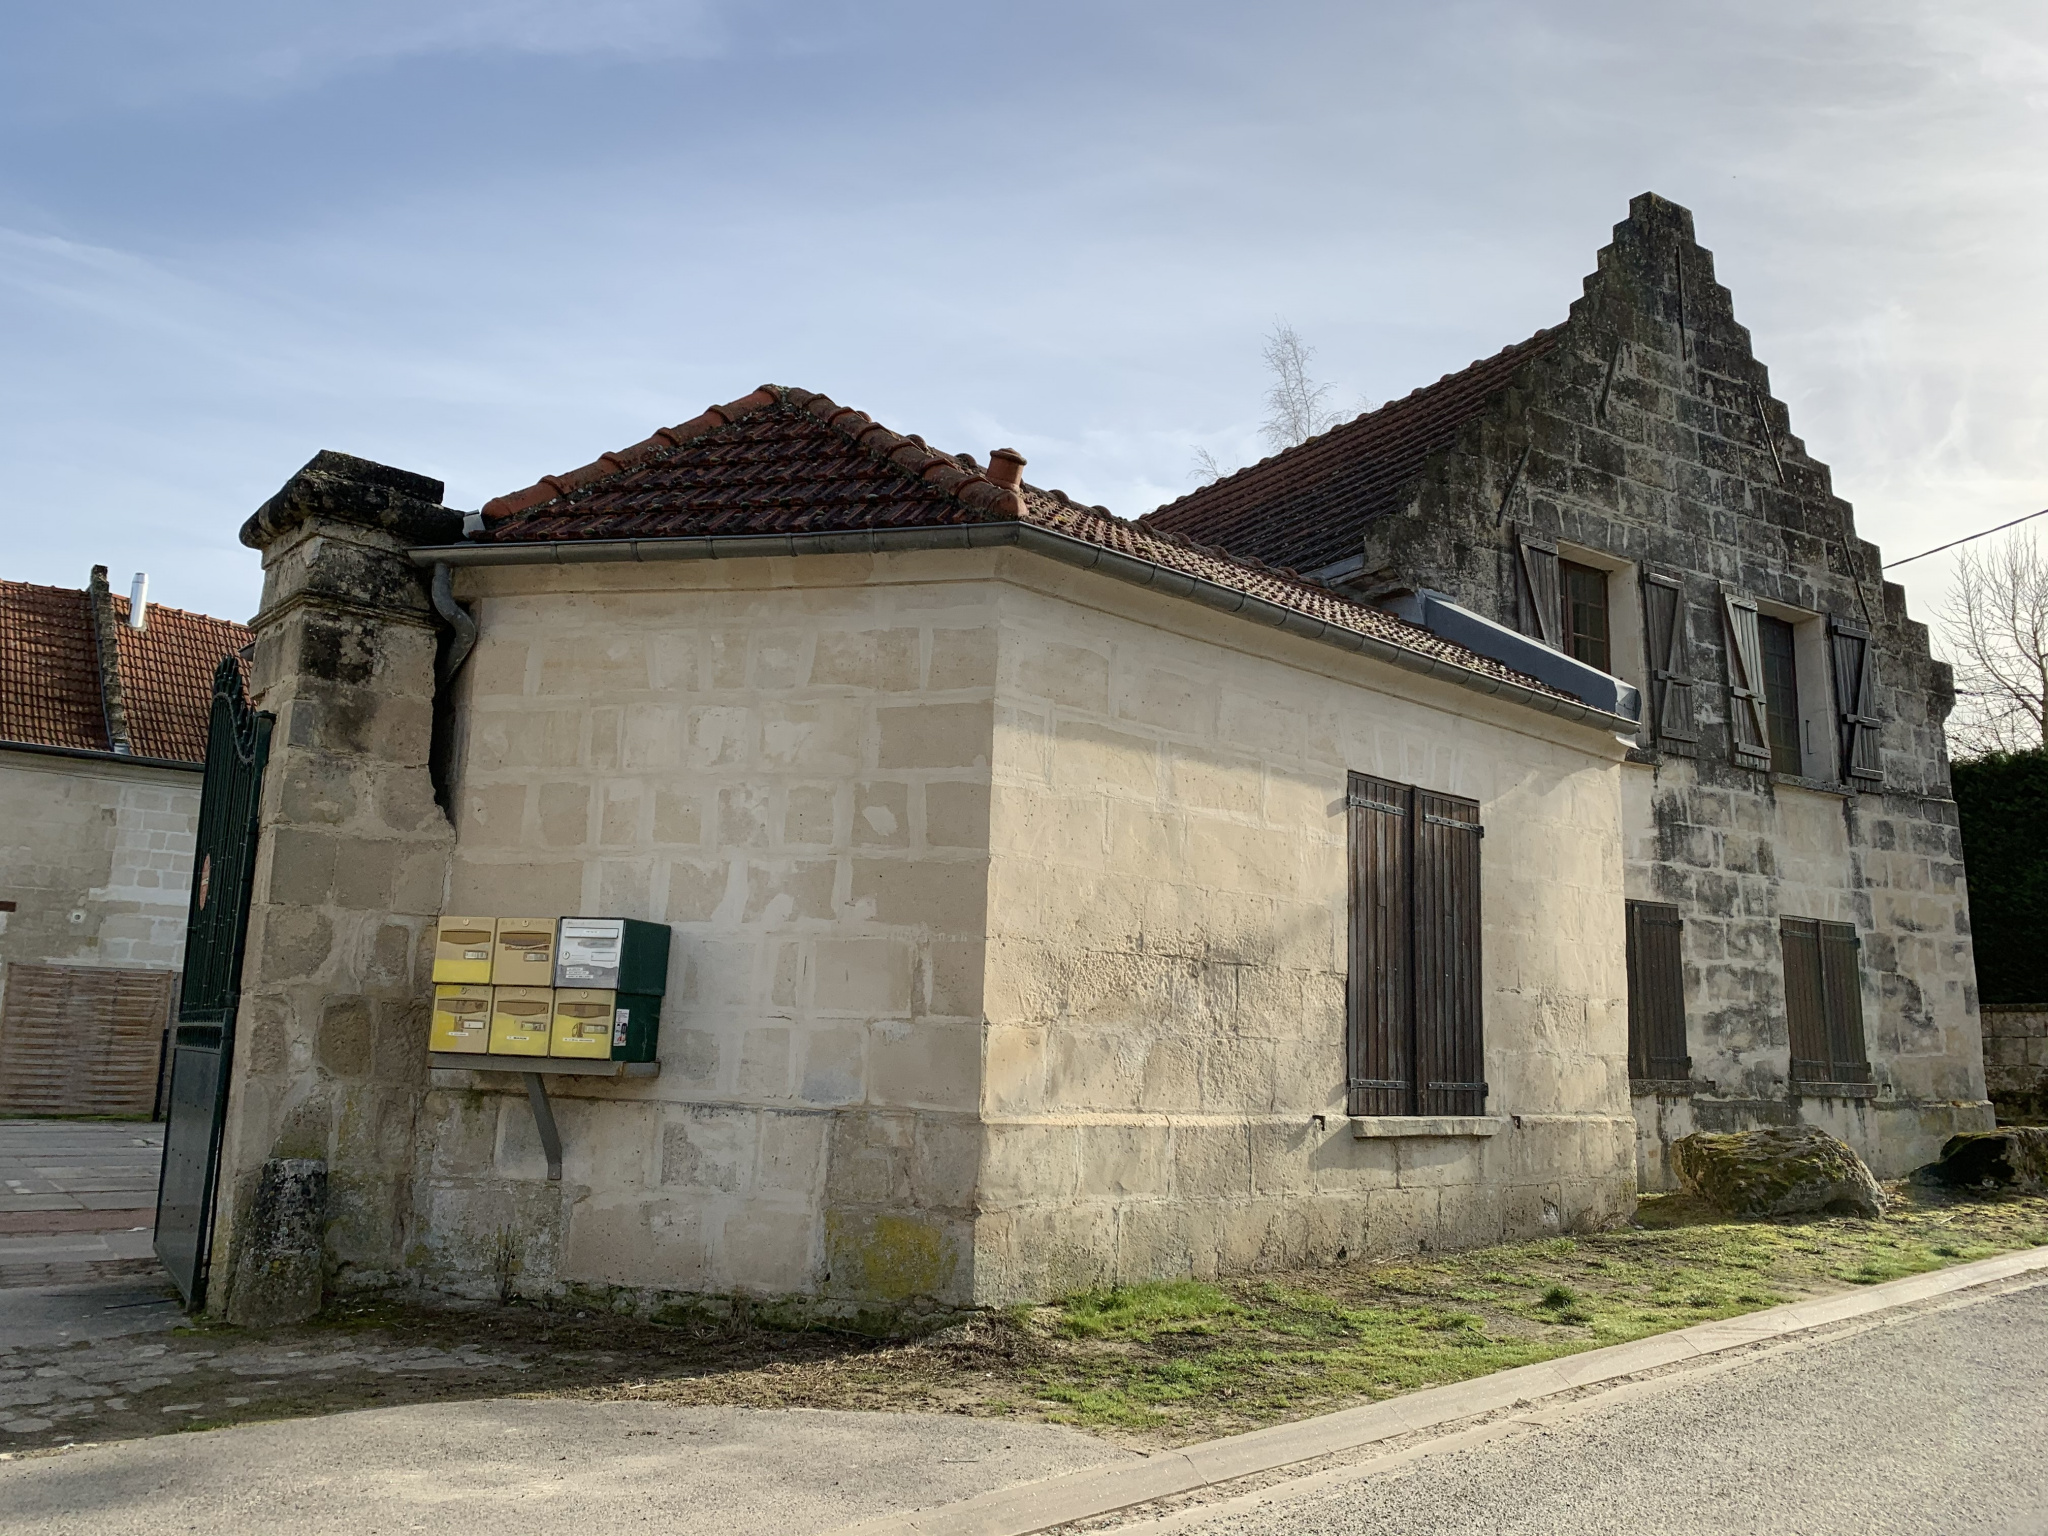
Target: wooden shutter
(1381, 1011)
(1841, 980)
(1536, 590)
(1670, 715)
(1856, 703)
(1450, 1062)
(1805, 999)
(1748, 725)
(1656, 992)
(82, 1040)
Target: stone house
(1623, 488)
(103, 709)
(1054, 902)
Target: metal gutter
(1064, 548)
(100, 755)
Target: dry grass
(1175, 1361)
(1151, 1365)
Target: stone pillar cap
(343, 488)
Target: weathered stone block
(279, 1253)
(2011, 1157)
(1778, 1171)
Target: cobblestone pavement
(114, 1360)
(93, 1342)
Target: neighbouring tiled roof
(49, 668)
(50, 680)
(784, 460)
(167, 670)
(1308, 506)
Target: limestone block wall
(350, 871)
(788, 762)
(2016, 1061)
(1648, 439)
(1165, 991)
(97, 857)
(1009, 915)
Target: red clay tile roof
(1308, 506)
(784, 460)
(167, 670)
(49, 673)
(49, 669)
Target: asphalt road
(1929, 1424)
(548, 1467)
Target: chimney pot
(1006, 468)
(138, 601)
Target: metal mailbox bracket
(536, 1090)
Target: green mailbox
(621, 956)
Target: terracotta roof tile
(49, 669)
(788, 461)
(1308, 506)
(49, 673)
(167, 670)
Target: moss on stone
(1777, 1171)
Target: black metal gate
(224, 863)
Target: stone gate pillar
(330, 1056)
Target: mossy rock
(1777, 1171)
(2011, 1157)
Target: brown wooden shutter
(1450, 1060)
(1748, 726)
(1656, 992)
(1842, 994)
(82, 1040)
(1670, 713)
(1536, 590)
(1855, 670)
(1382, 1076)
(1805, 999)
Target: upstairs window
(1415, 1043)
(1781, 693)
(1582, 595)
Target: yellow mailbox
(524, 955)
(521, 1020)
(462, 1018)
(583, 1022)
(462, 949)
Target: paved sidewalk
(77, 1200)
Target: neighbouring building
(1624, 489)
(1054, 902)
(103, 712)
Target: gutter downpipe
(1041, 541)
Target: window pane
(1583, 597)
(1781, 693)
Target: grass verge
(1175, 1361)
(1148, 1365)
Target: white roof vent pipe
(138, 601)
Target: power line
(1952, 543)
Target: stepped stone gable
(1642, 434)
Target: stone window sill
(1818, 786)
(1371, 1127)
(1835, 1090)
(1662, 1087)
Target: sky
(487, 240)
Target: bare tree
(1206, 468)
(1297, 407)
(1995, 627)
